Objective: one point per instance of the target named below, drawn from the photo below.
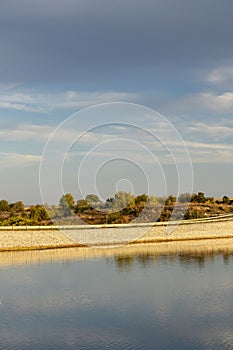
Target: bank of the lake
(185, 233)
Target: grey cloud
(88, 40)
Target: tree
(81, 206)
(184, 197)
(170, 200)
(198, 198)
(70, 200)
(92, 200)
(161, 200)
(141, 199)
(152, 200)
(209, 200)
(38, 213)
(52, 210)
(122, 200)
(4, 205)
(66, 204)
(194, 214)
(17, 207)
(226, 200)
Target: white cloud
(20, 107)
(206, 102)
(24, 132)
(221, 76)
(9, 160)
(213, 131)
(80, 99)
(34, 132)
(210, 152)
(42, 102)
(200, 152)
(210, 146)
(205, 142)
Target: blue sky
(58, 57)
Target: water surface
(142, 300)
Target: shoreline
(105, 236)
(27, 257)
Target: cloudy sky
(58, 57)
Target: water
(140, 300)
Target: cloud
(20, 107)
(208, 102)
(211, 131)
(25, 132)
(199, 103)
(9, 160)
(221, 76)
(47, 102)
(210, 153)
(200, 152)
(85, 41)
(41, 133)
(76, 99)
(209, 146)
(200, 139)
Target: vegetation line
(220, 218)
(123, 208)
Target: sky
(60, 58)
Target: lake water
(143, 300)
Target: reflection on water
(195, 259)
(139, 298)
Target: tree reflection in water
(186, 260)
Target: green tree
(38, 213)
(70, 200)
(194, 213)
(4, 205)
(152, 200)
(141, 199)
(66, 204)
(81, 206)
(161, 200)
(171, 200)
(226, 200)
(119, 201)
(198, 198)
(92, 200)
(184, 197)
(17, 220)
(209, 200)
(17, 207)
(52, 210)
(122, 200)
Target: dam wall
(47, 237)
